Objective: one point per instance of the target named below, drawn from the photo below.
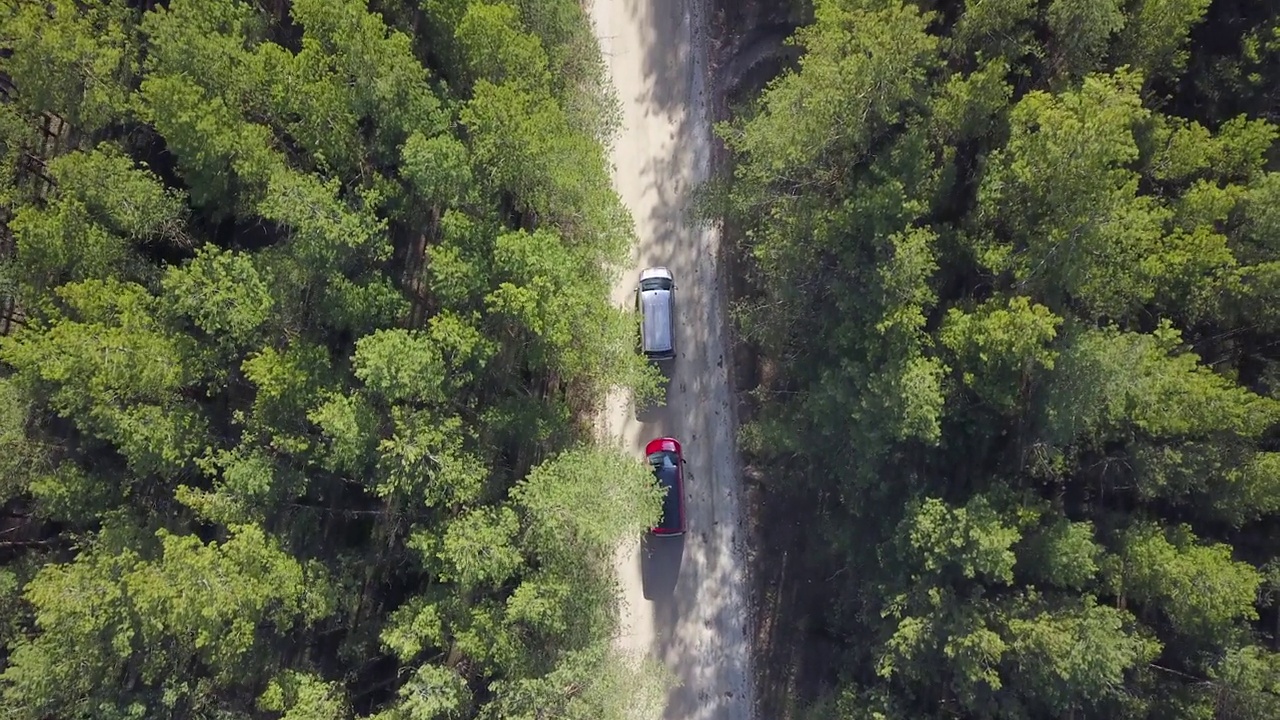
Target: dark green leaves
(1016, 321)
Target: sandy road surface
(685, 599)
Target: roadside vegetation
(309, 319)
(1015, 275)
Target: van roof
(655, 306)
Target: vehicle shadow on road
(660, 559)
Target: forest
(306, 316)
(1014, 267)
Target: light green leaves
(286, 382)
(1060, 206)
(972, 541)
(223, 293)
(1081, 31)
(421, 366)
(590, 684)
(437, 166)
(104, 208)
(548, 292)
(211, 598)
(76, 60)
(1250, 676)
(1003, 346)
(106, 614)
(401, 366)
(373, 66)
(478, 547)
(862, 68)
(199, 78)
(523, 141)
(1108, 381)
(1061, 553)
(350, 427)
(24, 457)
(1198, 586)
(301, 696)
(127, 199)
(433, 692)
(996, 28)
(326, 231)
(414, 627)
(113, 369)
(496, 48)
(907, 384)
(425, 460)
(1155, 39)
(248, 485)
(1075, 656)
(62, 244)
(582, 502)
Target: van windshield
(655, 283)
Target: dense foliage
(1016, 268)
(313, 309)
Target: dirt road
(685, 599)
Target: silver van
(655, 301)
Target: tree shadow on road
(652, 412)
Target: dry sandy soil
(684, 598)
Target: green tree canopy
(310, 314)
(1011, 278)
